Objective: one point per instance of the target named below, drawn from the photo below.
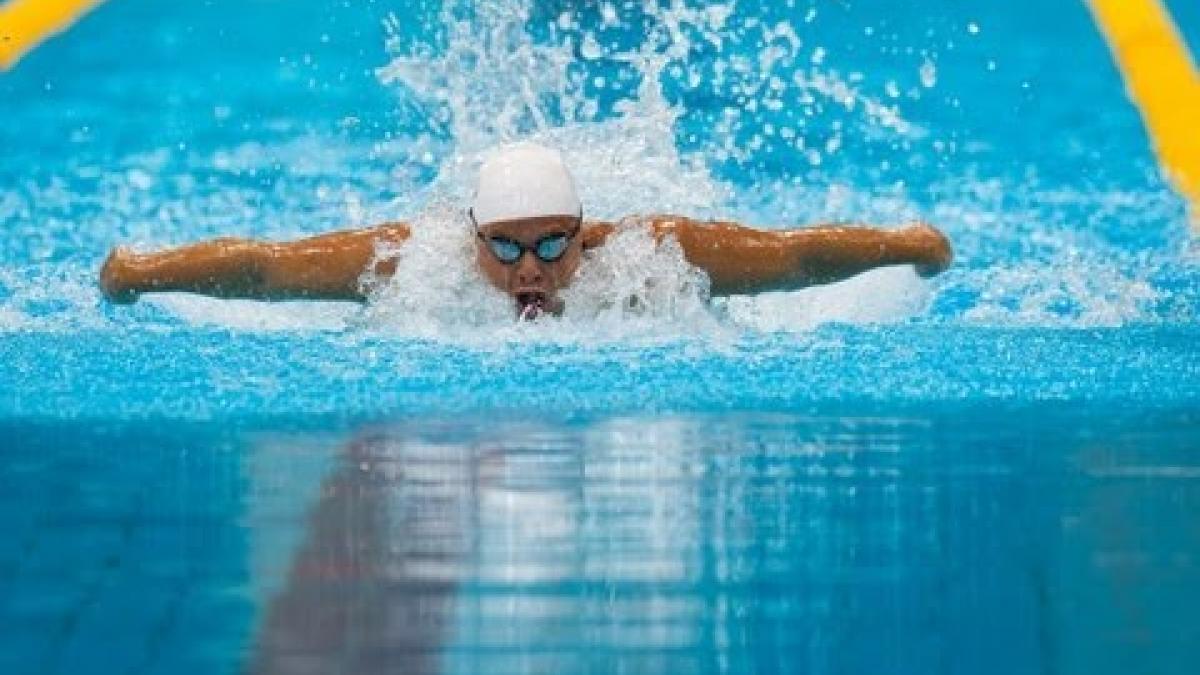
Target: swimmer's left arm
(741, 259)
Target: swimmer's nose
(529, 273)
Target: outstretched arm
(323, 267)
(741, 259)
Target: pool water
(948, 541)
(991, 471)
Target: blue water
(994, 471)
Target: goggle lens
(506, 251)
(548, 249)
(551, 248)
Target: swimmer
(530, 239)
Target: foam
(881, 296)
(629, 288)
(1074, 295)
(11, 320)
(255, 316)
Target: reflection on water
(736, 544)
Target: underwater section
(1021, 540)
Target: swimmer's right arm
(740, 259)
(325, 267)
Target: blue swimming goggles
(547, 249)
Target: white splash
(488, 80)
(885, 295)
(256, 316)
(1077, 294)
(634, 284)
(436, 292)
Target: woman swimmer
(531, 240)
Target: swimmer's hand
(932, 254)
(114, 275)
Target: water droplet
(610, 14)
(928, 74)
(590, 49)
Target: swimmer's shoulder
(596, 232)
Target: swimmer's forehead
(526, 228)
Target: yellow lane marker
(1163, 82)
(24, 24)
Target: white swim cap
(524, 180)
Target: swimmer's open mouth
(530, 304)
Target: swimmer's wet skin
(525, 204)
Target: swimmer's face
(531, 282)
